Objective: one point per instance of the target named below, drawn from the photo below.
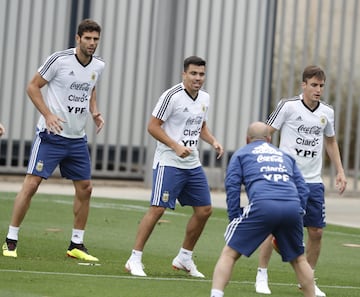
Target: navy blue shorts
(261, 218)
(315, 207)
(188, 186)
(50, 150)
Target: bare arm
(53, 122)
(96, 115)
(2, 130)
(206, 135)
(332, 150)
(272, 130)
(156, 131)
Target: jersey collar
(302, 100)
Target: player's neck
(310, 104)
(192, 94)
(83, 59)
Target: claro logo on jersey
(313, 142)
(192, 131)
(273, 168)
(80, 94)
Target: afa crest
(165, 196)
(39, 165)
(323, 120)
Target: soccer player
(60, 139)
(177, 122)
(306, 124)
(2, 130)
(277, 196)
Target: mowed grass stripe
(161, 278)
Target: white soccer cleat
(262, 287)
(188, 266)
(136, 268)
(318, 292)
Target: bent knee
(203, 211)
(31, 185)
(156, 211)
(84, 189)
(315, 233)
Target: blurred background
(256, 51)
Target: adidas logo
(185, 109)
(71, 73)
(299, 118)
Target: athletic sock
(261, 274)
(136, 256)
(77, 236)
(13, 233)
(216, 293)
(185, 254)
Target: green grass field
(43, 270)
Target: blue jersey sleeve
(301, 185)
(233, 181)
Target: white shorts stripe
(231, 228)
(158, 185)
(34, 152)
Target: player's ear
(303, 85)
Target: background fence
(255, 50)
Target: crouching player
(277, 195)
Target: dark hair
(88, 25)
(195, 60)
(311, 71)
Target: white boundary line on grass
(159, 278)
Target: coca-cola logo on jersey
(80, 86)
(314, 130)
(194, 121)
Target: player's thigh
(196, 191)
(46, 153)
(315, 207)
(246, 233)
(168, 182)
(289, 232)
(77, 164)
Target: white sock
(261, 274)
(185, 254)
(77, 236)
(136, 255)
(216, 293)
(13, 233)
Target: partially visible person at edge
(306, 123)
(178, 120)
(2, 130)
(277, 195)
(70, 76)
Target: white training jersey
(183, 118)
(69, 89)
(302, 133)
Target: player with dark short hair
(178, 121)
(60, 139)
